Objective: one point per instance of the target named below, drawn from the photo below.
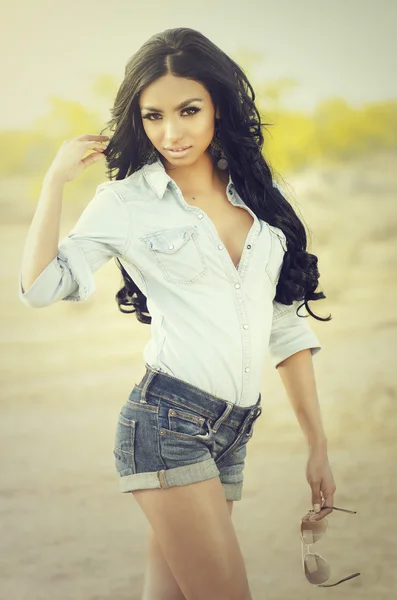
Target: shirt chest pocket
(177, 253)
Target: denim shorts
(171, 433)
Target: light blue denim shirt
(212, 323)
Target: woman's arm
(297, 375)
(41, 244)
(101, 232)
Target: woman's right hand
(68, 163)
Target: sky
(343, 48)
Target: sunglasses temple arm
(338, 582)
(352, 512)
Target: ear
(217, 115)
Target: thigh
(193, 528)
(159, 581)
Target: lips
(178, 149)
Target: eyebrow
(181, 105)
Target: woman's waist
(232, 376)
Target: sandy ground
(67, 533)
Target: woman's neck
(200, 179)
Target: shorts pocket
(184, 436)
(178, 253)
(178, 422)
(124, 446)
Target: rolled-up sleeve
(101, 232)
(290, 333)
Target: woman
(214, 257)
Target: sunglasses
(316, 568)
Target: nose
(172, 133)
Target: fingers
(321, 481)
(316, 496)
(92, 137)
(307, 516)
(328, 501)
(317, 502)
(99, 146)
(92, 158)
(96, 149)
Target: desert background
(66, 531)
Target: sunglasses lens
(312, 531)
(317, 570)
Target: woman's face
(169, 125)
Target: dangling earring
(222, 163)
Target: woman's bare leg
(159, 582)
(194, 531)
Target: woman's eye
(193, 109)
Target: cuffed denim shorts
(172, 433)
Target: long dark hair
(184, 52)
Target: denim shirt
(212, 323)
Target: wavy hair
(185, 52)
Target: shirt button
(249, 247)
(170, 247)
(200, 216)
(245, 326)
(237, 285)
(247, 369)
(220, 246)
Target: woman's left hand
(321, 481)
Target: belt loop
(226, 412)
(150, 374)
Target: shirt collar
(158, 179)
